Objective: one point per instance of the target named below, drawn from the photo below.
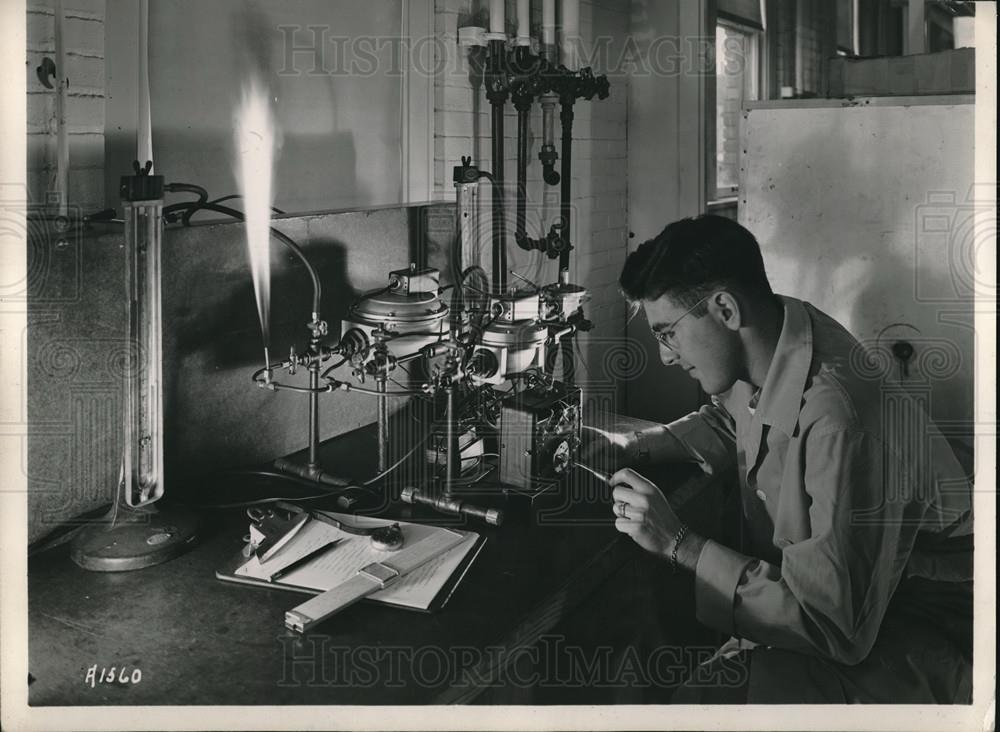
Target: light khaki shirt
(847, 487)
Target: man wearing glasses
(852, 578)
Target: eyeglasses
(665, 335)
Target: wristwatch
(635, 452)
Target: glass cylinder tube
(548, 119)
(143, 402)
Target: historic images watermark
(955, 226)
(913, 370)
(53, 266)
(318, 50)
(72, 394)
(317, 661)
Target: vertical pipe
(800, 51)
(855, 27)
(452, 457)
(62, 134)
(144, 139)
(548, 22)
(497, 20)
(499, 225)
(566, 117)
(523, 22)
(548, 119)
(523, 109)
(382, 419)
(314, 415)
(497, 100)
(547, 154)
(570, 32)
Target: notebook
(427, 588)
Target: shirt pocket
(791, 518)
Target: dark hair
(690, 258)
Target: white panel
(418, 98)
(866, 211)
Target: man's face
(708, 347)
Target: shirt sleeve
(709, 436)
(831, 590)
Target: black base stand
(133, 538)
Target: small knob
(903, 350)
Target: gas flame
(255, 143)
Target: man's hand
(648, 517)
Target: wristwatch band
(370, 578)
(636, 453)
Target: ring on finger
(620, 510)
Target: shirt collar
(780, 398)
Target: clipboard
(428, 589)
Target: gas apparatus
(539, 437)
(491, 365)
(468, 366)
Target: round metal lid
(514, 334)
(390, 306)
(561, 289)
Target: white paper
(342, 561)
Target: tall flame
(255, 141)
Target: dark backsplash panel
(215, 417)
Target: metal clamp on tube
(452, 505)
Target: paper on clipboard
(417, 589)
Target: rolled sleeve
(709, 436)
(717, 576)
(828, 595)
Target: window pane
(845, 25)
(735, 82)
(743, 12)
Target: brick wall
(84, 42)
(729, 101)
(805, 35)
(599, 166)
(781, 18)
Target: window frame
(726, 197)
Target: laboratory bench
(555, 609)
